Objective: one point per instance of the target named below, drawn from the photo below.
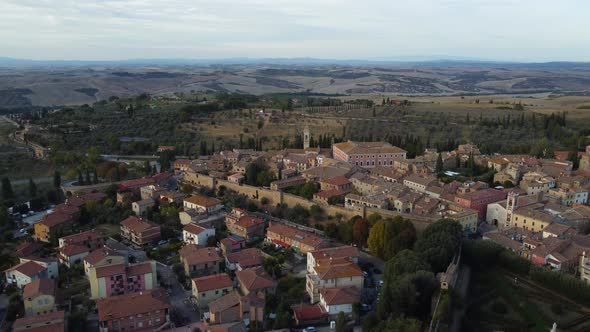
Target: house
(234, 308)
(418, 183)
(238, 178)
(336, 300)
(193, 233)
(54, 222)
(244, 259)
(172, 197)
(231, 244)
(199, 261)
(367, 154)
(209, 288)
(50, 322)
(181, 165)
(340, 183)
(101, 257)
(255, 280)
(334, 273)
(142, 311)
(532, 218)
(248, 227)
(318, 257)
(24, 273)
(227, 327)
(118, 279)
(288, 236)
(306, 314)
(479, 200)
(142, 207)
(28, 248)
(353, 201)
(202, 204)
(140, 231)
(72, 249)
(39, 297)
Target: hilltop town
(330, 233)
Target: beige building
(531, 219)
(209, 288)
(334, 273)
(39, 297)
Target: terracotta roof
(228, 327)
(194, 228)
(311, 312)
(72, 249)
(202, 200)
(337, 181)
(425, 181)
(351, 147)
(29, 268)
(110, 270)
(195, 255)
(255, 278)
(49, 322)
(249, 221)
(117, 307)
(137, 225)
(345, 295)
(66, 208)
(247, 257)
(98, 254)
(215, 281)
(335, 253)
(295, 234)
(56, 218)
(90, 235)
(556, 228)
(39, 287)
(136, 183)
(139, 269)
(224, 302)
(28, 248)
(338, 269)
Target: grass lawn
(108, 229)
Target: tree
(439, 242)
(405, 324)
(360, 232)
(406, 261)
(32, 188)
(439, 163)
(7, 192)
(56, 179)
(80, 178)
(376, 241)
(388, 237)
(94, 177)
(341, 322)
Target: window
(203, 295)
(216, 291)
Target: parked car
(309, 329)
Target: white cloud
(533, 30)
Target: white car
(309, 329)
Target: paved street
(179, 297)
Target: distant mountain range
(428, 61)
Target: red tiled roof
(117, 307)
(335, 252)
(110, 270)
(345, 295)
(90, 235)
(202, 201)
(56, 218)
(247, 257)
(29, 268)
(295, 234)
(49, 322)
(28, 248)
(337, 181)
(339, 269)
(249, 221)
(139, 269)
(194, 228)
(195, 255)
(137, 225)
(72, 249)
(308, 312)
(211, 282)
(98, 254)
(255, 278)
(39, 287)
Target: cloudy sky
(521, 30)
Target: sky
(504, 30)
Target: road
(179, 297)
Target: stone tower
(306, 137)
(511, 204)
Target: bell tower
(306, 137)
(511, 204)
